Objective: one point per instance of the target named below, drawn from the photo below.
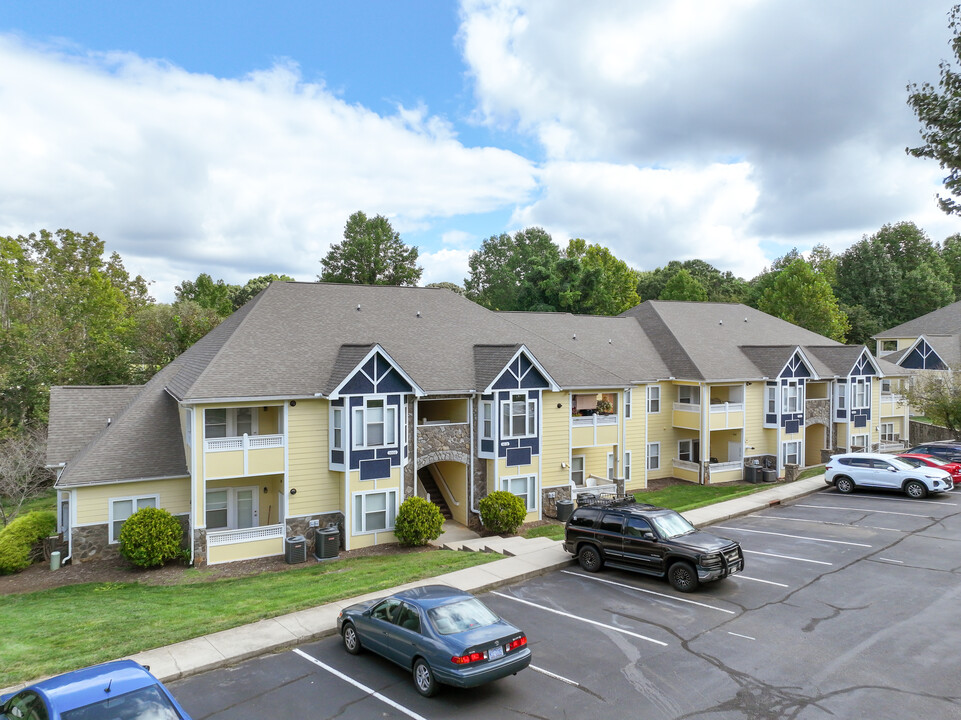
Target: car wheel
(683, 577)
(590, 558)
(844, 485)
(424, 679)
(915, 489)
(351, 641)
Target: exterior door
(641, 546)
(248, 514)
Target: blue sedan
(119, 689)
(444, 636)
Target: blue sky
(236, 138)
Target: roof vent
(109, 420)
(745, 319)
(418, 313)
(609, 341)
(358, 307)
(575, 336)
(719, 322)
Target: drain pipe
(473, 439)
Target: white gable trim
(418, 390)
(534, 362)
(805, 359)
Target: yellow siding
(689, 475)
(515, 470)
(763, 440)
(318, 488)
(686, 419)
(634, 440)
(93, 503)
(726, 476)
(595, 460)
(720, 421)
(245, 550)
(455, 474)
(265, 460)
(659, 429)
(227, 464)
(555, 439)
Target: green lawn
(691, 496)
(52, 631)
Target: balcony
(726, 416)
(591, 430)
(245, 544)
(244, 455)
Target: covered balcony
(594, 419)
(244, 521)
(241, 441)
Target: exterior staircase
(511, 546)
(426, 478)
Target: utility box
(295, 549)
(326, 543)
(769, 476)
(752, 473)
(564, 510)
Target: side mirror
(891, 468)
(648, 535)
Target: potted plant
(604, 407)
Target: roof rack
(605, 499)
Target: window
(688, 450)
(861, 393)
(216, 509)
(770, 402)
(375, 424)
(215, 423)
(841, 392)
(886, 386)
(627, 404)
(627, 465)
(653, 456)
(523, 487)
(123, 508)
(791, 452)
(610, 466)
(889, 346)
(636, 527)
(188, 427)
(612, 523)
(653, 398)
(374, 511)
(860, 443)
(689, 394)
(887, 432)
(577, 469)
(337, 428)
(517, 416)
(791, 398)
(487, 419)
(229, 422)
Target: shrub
(418, 521)
(150, 537)
(18, 538)
(502, 512)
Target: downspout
(414, 430)
(705, 432)
(473, 449)
(348, 444)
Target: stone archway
(443, 474)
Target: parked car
(119, 689)
(850, 471)
(621, 533)
(944, 449)
(444, 636)
(953, 468)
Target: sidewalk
(530, 558)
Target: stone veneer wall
(93, 541)
(925, 432)
(817, 411)
(549, 504)
(301, 526)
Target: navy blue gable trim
(863, 367)
(534, 379)
(358, 384)
(377, 376)
(796, 368)
(923, 357)
(393, 382)
(521, 374)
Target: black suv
(628, 535)
(944, 449)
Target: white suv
(856, 470)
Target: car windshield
(936, 461)
(460, 616)
(898, 463)
(672, 525)
(147, 703)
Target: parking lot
(846, 609)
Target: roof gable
(921, 356)
(375, 373)
(523, 372)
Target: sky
(236, 137)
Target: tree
(940, 117)
(609, 284)
(683, 286)
(506, 266)
(951, 254)
(453, 287)
(22, 472)
(937, 396)
(161, 332)
(719, 286)
(207, 293)
(253, 286)
(801, 296)
(372, 254)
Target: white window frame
(610, 466)
(232, 522)
(653, 398)
(792, 397)
(337, 413)
(841, 396)
(188, 427)
(862, 441)
(861, 395)
(627, 466)
(789, 448)
(135, 504)
(885, 386)
(692, 393)
(582, 471)
(887, 432)
(507, 415)
(530, 497)
(689, 452)
(361, 423)
(627, 403)
(485, 420)
(231, 422)
(390, 503)
(770, 400)
(886, 346)
(654, 456)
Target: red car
(918, 460)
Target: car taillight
(519, 642)
(465, 659)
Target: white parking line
(754, 579)
(581, 619)
(360, 686)
(899, 562)
(649, 592)
(554, 675)
(879, 512)
(786, 557)
(829, 522)
(835, 493)
(746, 637)
(796, 537)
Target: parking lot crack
(814, 622)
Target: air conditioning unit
(295, 549)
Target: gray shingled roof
(489, 361)
(943, 321)
(79, 412)
(143, 442)
(769, 359)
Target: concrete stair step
(511, 546)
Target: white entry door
(734, 451)
(247, 508)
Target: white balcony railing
(243, 442)
(726, 466)
(593, 420)
(686, 465)
(687, 407)
(727, 407)
(233, 537)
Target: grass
(554, 531)
(46, 501)
(691, 496)
(811, 472)
(53, 631)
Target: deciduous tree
(801, 296)
(22, 472)
(937, 396)
(372, 253)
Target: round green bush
(150, 537)
(418, 521)
(502, 512)
(20, 535)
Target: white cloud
(237, 178)
(445, 265)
